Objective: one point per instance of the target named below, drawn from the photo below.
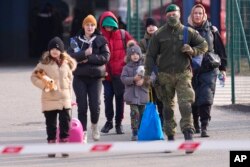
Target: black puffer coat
(95, 66)
(204, 81)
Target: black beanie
(57, 43)
(150, 21)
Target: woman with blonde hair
(204, 79)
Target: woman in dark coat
(204, 79)
(92, 55)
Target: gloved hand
(187, 49)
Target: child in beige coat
(58, 66)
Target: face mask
(173, 21)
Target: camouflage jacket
(165, 46)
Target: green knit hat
(172, 7)
(109, 22)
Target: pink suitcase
(75, 132)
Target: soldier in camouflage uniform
(172, 58)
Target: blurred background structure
(27, 26)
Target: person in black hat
(58, 66)
(168, 53)
(57, 43)
(151, 28)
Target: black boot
(171, 138)
(108, 125)
(204, 125)
(195, 112)
(188, 135)
(51, 155)
(119, 129)
(204, 132)
(205, 118)
(197, 126)
(64, 155)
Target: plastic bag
(150, 127)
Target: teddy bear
(49, 83)
(140, 71)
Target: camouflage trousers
(180, 84)
(136, 112)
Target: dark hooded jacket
(95, 66)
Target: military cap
(172, 7)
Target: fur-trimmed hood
(65, 58)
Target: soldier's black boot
(188, 135)
(170, 138)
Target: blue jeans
(108, 101)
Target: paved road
(22, 122)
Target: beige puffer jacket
(61, 98)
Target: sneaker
(119, 129)
(108, 125)
(95, 132)
(85, 137)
